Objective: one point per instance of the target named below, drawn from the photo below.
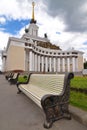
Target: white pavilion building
(34, 53)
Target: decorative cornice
(48, 45)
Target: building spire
(33, 4)
(33, 18)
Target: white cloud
(83, 8)
(2, 20)
(3, 43)
(3, 39)
(14, 9)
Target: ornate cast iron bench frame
(14, 79)
(55, 106)
(9, 75)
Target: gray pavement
(18, 112)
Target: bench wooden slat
(48, 82)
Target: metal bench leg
(66, 112)
(51, 110)
(19, 91)
(54, 109)
(47, 124)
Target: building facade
(34, 53)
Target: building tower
(33, 28)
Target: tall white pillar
(63, 65)
(30, 61)
(68, 64)
(42, 60)
(26, 60)
(76, 59)
(58, 66)
(35, 62)
(73, 64)
(46, 64)
(39, 63)
(54, 61)
(4, 64)
(50, 65)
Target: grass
(79, 82)
(78, 99)
(22, 79)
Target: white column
(26, 60)
(63, 65)
(42, 63)
(39, 63)
(46, 64)
(76, 64)
(3, 64)
(54, 61)
(58, 66)
(50, 65)
(35, 62)
(73, 64)
(30, 61)
(68, 64)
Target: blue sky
(13, 26)
(65, 22)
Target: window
(30, 45)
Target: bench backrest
(15, 75)
(50, 82)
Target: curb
(78, 114)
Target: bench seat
(50, 92)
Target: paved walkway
(17, 112)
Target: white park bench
(51, 93)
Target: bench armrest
(50, 100)
(18, 83)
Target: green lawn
(79, 82)
(76, 98)
(79, 100)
